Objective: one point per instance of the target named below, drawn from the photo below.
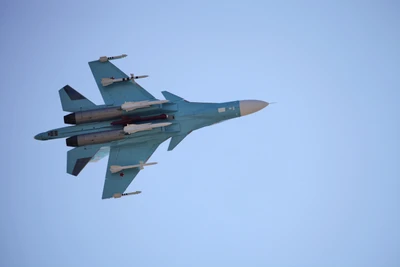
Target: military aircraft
(131, 124)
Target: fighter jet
(131, 124)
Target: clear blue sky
(311, 181)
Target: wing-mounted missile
(119, 195)
(141, 165)
(129, 106)
(134, 128)
(105, 59)
(109, 81)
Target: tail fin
(73, 101)
(171, 97)
(78, 157)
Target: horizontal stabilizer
(103, 152)
(171, 97)
(73, 101)
(175, 140)
(77, 158)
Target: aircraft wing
(126, 155)
(118, 93)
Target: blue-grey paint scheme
(72, 101)
(131, 149)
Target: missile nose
(250, 106)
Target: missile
(118, 195)
(117, 168)
(129, 120)
(129, 106)
(138, 77)
(133, 128)
(105, 59)
(109, 81)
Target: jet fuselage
(184, 117)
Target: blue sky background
(310, 181)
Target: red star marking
(121, 174)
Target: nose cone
(39, 136)
(250, 106)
